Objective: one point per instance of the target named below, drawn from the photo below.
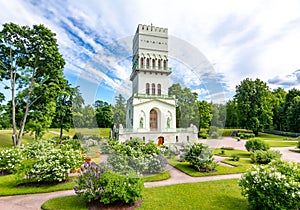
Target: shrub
(246, 135)
(136, 155)
(273, 186)
(235, 158)
(96, 184)
(10, 159)
(264, 157)
(298, 145)
(256, 144)
(200, 157)
(203, 135)
(214, 132)
(227, 148)
(46, 162)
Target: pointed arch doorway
(153, 120)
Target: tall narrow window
(147, 63)
(148, 88)
(159, 63)
(153, 63)
(153, 119)
(165, 64)
(142, 62)
(153, 89)
(158, 89)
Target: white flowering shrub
(273, 186)
(10, 159)
(47, 162)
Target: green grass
(267, 136)
(229, 153)
(186, 167)
(282, 143)
(103, 132)
(9, 186)
(6, 142)
(241, 162)
(295, 150)
(157, 177)
(221, 195)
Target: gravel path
(34, 201)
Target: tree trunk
(13, 104)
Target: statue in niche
(168, 122)
(142, 122)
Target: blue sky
(230, 40)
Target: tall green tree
(205, 114)
(293, 115)
(253, 103)
(103, 114)
(119, 110)
(288, 101)
(232, 120)
(31, 62)
(278, 100)
(186, 106)
(65, 106)
(218, 112)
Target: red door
(153, 119)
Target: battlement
(142, 28)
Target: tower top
(150, 29)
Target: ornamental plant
(272, 186)
(97, 184)
(10, 159)
(256, 144)
(47, 162)
(199, 156)
(264, 157)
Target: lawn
(229, 153)
(9, 186)
(295, 150)
(267, 136)
(220, 170)
(103, 132)
(6, 142)
(221, 195)
(282, 143)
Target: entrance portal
(161, 141)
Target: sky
(213, 45)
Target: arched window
(159, 63)
(159, 89)
(148, 88)
(142, 62)
(153, 119)
(153, 63)
(147, 63)
(153, 89)
(165, 64)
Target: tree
(119, 110)
(64, 108)
(205, 115)
(278, 99)
(218, 112)
(254, 109)
(186, 107)
(31, 62)
(288, 100)
(103, 114)
(293, 115)
(232, 120)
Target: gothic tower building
(151, 111)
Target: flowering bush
(96, 184)
(264, 157)
(199, 156)
(10, 159)
(136, 155)
(46, 162)
(272, 186)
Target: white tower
(151, 112)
